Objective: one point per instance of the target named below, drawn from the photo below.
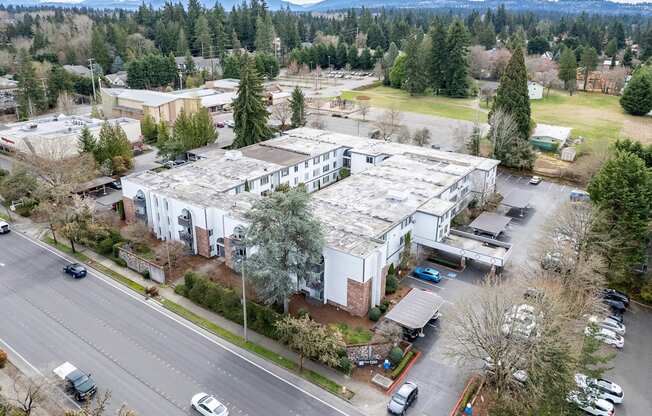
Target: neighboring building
(8, 85)
(393, 189)
(78, 70)
(568, 154)
(57, 137)
(210, 65)
(550, 138)
(606, 64)
(598, 81)
(119, 79)
(534, 90)
(162, 106)
(224, 85)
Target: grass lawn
(457, 108)
(354, 336)
(597, 117)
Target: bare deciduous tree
(503, 133)
(282, 113)
(364, 107)
(403, 135)
(98, 406)
(421, 137)
(388, 124)
(390, 331)
(487, 93)
(171, 251)
(29, 393)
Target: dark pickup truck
(76, 382)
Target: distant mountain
(570, 6)
(134, 4)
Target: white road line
(550, 186)
(563, 188)
(165, 313)
(508, 177)
(426, 283)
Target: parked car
(615, 305)
(520, 320)
(591, 404)
(615, 295)
(601, 388)
(229, 124)
(76, 382)
(403, 398)
(4, 227)
(617, 317)
(607, 336)
(427, 273)
(208, 405)
(535, 180)
(76, 270)
(116, 184)
(219, 124)
(608, 323)
(519, 375)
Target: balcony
(185, 221)
(186, 237)
(141, 213)
(139, 201)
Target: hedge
(401, 366)
(227, 302)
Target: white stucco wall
(338, 268)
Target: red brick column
(130, 211)
(228, 253)
(358, 297)
(203, 243)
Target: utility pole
(180, 80)
(90, 61)
(244, 299)
(45, 90)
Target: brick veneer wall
(383, 280)
(228, 253)
(203, 243)
(358, 297)
(130, 210)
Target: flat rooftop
(274, 155)
(147, 97)
(301, 145)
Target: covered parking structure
(517, 200)
(490, 223)
(415, 310)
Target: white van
(4, 227)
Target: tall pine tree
(249, 111)
(298, 105)
(637, 97)
(512, 94)
(438, 57)
(415, 77)
(568, 69)
(457, 65)
(31, 97)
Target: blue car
(427, 273)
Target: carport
(517, 200)
(490, 223)
(415, 310)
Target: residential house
(534, 90)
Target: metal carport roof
(415, 309)
(490, 223)
(517, 200)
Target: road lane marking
(161, 309)
(425, 282)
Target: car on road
(80, 384)
(219, 124)
(608, 323)
(76, 270)
(615, 295)
(615, 305)
(208, 405)
(4, 227)
(229, 124)
(601, 388)
(535, 180)
(591, 404)
(427, 273)
(403, 398)
(607, 336)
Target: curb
(396, 382)
(459, 401)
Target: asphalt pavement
(149, 359)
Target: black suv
(616, 295)
(76, 270)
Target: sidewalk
(367, 398)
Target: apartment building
(393, 189)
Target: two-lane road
(148, 359)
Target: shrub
(105, 247)
(3, 358)
(180, 289)
(391, 284)
(391, 270)
(152, 291)
(116, 249)
(303, 313)
(374, 314)
(120, 262)
(401, 366)
(384, 305)
(345, 365)
(189, 280)
(395, 355)
(145, 274)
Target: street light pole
(244, 300)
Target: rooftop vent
(396, 195)
(233, 155)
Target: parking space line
(507, 178)
(550, 186)
(563, 188)
(427, 283)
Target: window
(305, 176)
(285, 172)
(335, 176)
(402, 240)
(335, 165)
(325, 180)
(296, 168)
(333, 153)
(307, 163)
(165, 202)
(315, 173)
(315, 161)
(264, 180)
(315, 184)
(240, 252)
(327, 156)
(325, 168)
(210, 233)
(370, 159)
(296, 181)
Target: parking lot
(441, 380)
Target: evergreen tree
(341, 55)
(388, 61)
(352, 57)
(249, 112)
(203, 39)
(117, 64)
(415, 76)
(148, 129)
(182, 43)
(113, 149)
(59, 81)
(86, 142)
(568, 69)
(512, 94)
(31, 97)
(397, 73)
(589, 61)
(637, 97)
(457, 66)
(99, 47)
(298, 105)
(366, 59)
(231, 67)
(627, 57)
(264, 34)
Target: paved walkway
(367, 398)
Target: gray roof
(78, 70)
(491, 223)
(415, 309)
(517, 199)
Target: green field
(597, 117)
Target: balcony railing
(186, 236)
(184, 221)
(140, 213)
(139, 201)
